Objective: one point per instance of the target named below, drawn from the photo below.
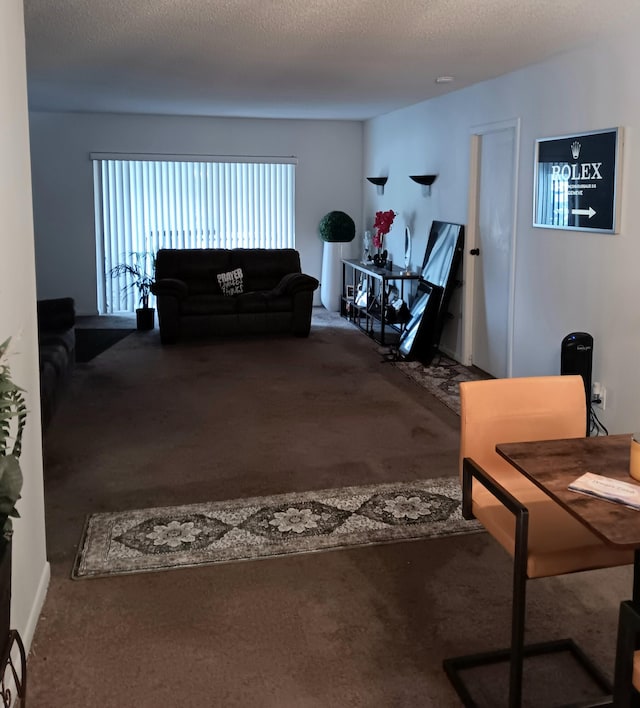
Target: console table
(370, 315)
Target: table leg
(383, 308)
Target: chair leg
(624, 694)
(517, 650)
(518, 608)
(518, 599)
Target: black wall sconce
(426, 181)
(379, 182)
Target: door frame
(471, 240)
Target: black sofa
(57, 347)
(262, 291)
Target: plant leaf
(11, 480)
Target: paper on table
(607, 488)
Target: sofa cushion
(170, 286)
(294, 283)
(208, 305)
(231, 282)
(66, 338)
(278, 303)
(56, 314)
(56, 347)
(253, 302)
(197, 267)
(263, 269)
(57, 355)
(49, 390)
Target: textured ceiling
(349, 59)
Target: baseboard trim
(450, 353)
(36, 608)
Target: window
(143, 204)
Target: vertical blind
(142, 205)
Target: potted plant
(382, 225)
(13, 416)
(139, 273)
(335, 228)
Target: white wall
(565, 281)
(18, 316)
(328, 177)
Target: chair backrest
(518, 410)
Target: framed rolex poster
(576, 181)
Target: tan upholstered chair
(627, 676)
(543, 538)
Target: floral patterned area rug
(442, 378)
(245, 529)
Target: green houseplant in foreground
(139, 274)
(13, 416)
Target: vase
(331, 278)
(145, 318)
(380, 258)
(407, 250)
(366, 247)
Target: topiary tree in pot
(335, 228)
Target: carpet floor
(442, 378)
(147, 426)
(92, 342)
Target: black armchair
(57, 350)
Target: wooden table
(553, 464)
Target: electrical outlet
(599, 395)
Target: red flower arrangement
(382, 226)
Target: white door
(492, 248)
